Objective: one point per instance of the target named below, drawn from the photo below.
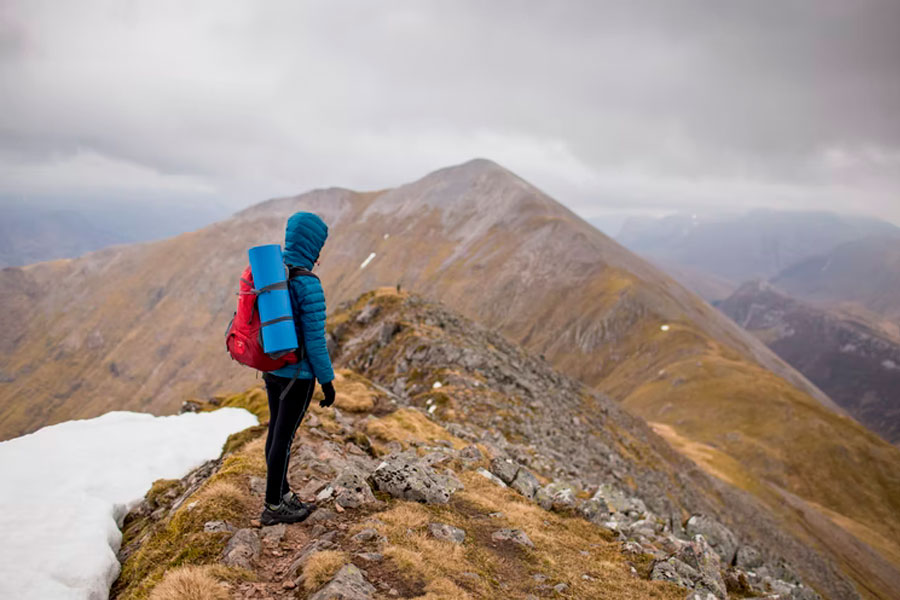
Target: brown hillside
(145, 323)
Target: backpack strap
(294, 272)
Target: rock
(217, 527)
(717, 535)
(348, 584)
(321, 514)
(699, 555)
(412, 480)
(617, 501)
(560, 588)
(188, 406)
(525, 483)
(490, 476)
(257, 486)
(515, 536)
(471, 454)
(368, 535)
(700, 596)
(505, 469)
(352, 490)
(311, 488)
(675, 571)
(242, 549)
(594, 511)
(448, 533)
(370, 556)
(369, 312)
(748, 558)
(556, 496)
(273, 533)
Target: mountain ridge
(141, 325)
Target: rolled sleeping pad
(274, 300)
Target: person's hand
(328, 390)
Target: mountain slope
(737, 248)
(621, 483)
(144, 324)
(864, 272)
(855, 364)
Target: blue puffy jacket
(304, 237)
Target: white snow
(436, 385)
(67, 487)
(663, 327)
(432, 408)
(387, 235)
(367, 261)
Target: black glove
(328, 390)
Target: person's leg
(290, 412)
(273, 391)
(299, 395)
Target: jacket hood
(304, 237)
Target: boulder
(505, 469)
(351, 489)
(617, 501)
(448, 533)
(525, 483)
(748, 558)
(348, 584)
(409, 479)
(556, 496)
(471, 454)
(594, 511)
(722, 540)
(515, 536)
(490, 476)
(675, 571)
(242, 549)
(699, 555)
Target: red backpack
(243, 339)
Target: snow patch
(366, 262)
(663, 327)
(67, 488)
(387, 235)
(436, 385)
(432, 408)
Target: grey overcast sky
(625, 106)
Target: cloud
(649, 105)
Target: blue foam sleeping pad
(267, 267)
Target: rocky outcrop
(348, 584)
(405, 477)
(588, 456)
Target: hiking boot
(292, 500)
(282, 513)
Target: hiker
(304, 237)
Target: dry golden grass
(406, 425)
(189, 583)
(443, 589)
(352, 394)
(321, 567)
(181, 540)
(479, 568)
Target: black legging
(284, 418)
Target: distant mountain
(855, 364)
(28, 235)
(142, 326)
(865, 273)
(755, 245)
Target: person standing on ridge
(304, 237)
